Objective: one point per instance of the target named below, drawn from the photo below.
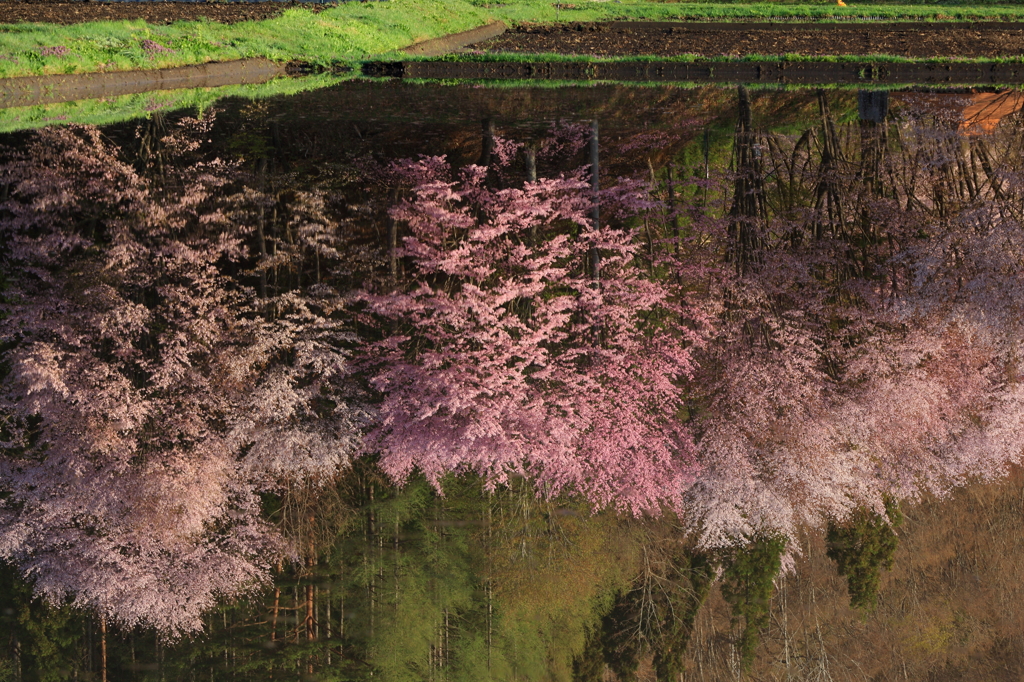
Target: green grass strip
(344, 33)
(545, 11)
(357, 30)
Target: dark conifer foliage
(695, 574)
(861, 548)
(747, 585)
(589, 665)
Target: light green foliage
(472, 585)
(861, 548)
(747, 584)
(420, 585)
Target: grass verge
(356, 30)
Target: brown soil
(908, 40)
(152, 12)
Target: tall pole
(103, 647)
(595, 211)
(392, 225)
(487, 150)
(530, 154)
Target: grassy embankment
(353, 31)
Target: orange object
(841, 3)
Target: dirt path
(623, 39)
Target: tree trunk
(277, 606)
(828, 194)
(310, 620)
(748, 208)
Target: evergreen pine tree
(696, 575)
(747, 585)
(588, 666)
(861, 548)
(621, 641)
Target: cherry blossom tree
(149, 397)
(875, 358)
(501, 355)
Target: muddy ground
(909, 40)
(153, 12)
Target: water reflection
(464, 383)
